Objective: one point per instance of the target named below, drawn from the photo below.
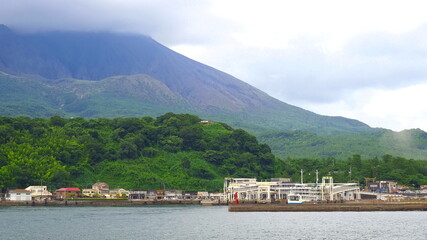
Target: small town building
(102, 188)
(89, 192)
(382, 186)
(137, 194)
(160, 194)
(65, 193)
(19, 195)
(173, 194)
(119, 193)
(39, 192)
(202, 195)
(206, 122)
(189, 195)
(151, 194)
(99, 189)
(216, 196)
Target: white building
(202, 195)
(39, 191)
(119, 193)
(216, 196)
(19, 195)
(173, 194)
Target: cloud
(171, 22)
(306, 71)
(396, 109)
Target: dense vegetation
(170, 151)
(303, 144)
(412, 173)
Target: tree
(245, 141)
(191, 136)
(150, 152)
(128, 149)
(57, 121)
(185, 163)
(215, 157)
(202, 173)
(172, 143)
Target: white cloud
(273, 23)
(397, 109)
(402, 107)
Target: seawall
(71, 203)
(333, 207)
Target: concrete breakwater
(100, 202)
(333, 207)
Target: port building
(249, 189)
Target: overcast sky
(365, 60)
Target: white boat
(295, 199)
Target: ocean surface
(201, 222)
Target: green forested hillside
(302, 144)
(172, 151)
(412, 173)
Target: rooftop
(68, 189)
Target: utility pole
(302, 176)
(317, 178)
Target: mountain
(60, 60)
(99, 74)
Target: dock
(333, 207)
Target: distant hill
(98, 74)
(302, 144)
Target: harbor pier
(331, 207)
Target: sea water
(201, 222)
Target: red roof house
(64, 193)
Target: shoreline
(112, 203)
(243, 207)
